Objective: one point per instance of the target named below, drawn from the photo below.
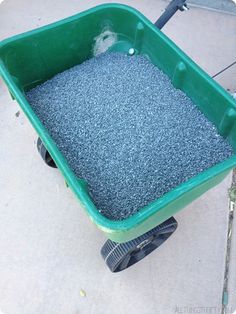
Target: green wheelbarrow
(31, 58)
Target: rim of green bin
(79, 185)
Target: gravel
(126, 130)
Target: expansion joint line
(232, 201)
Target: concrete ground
(218, 5)
(50, 249)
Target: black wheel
(45, 154)
(119, 256)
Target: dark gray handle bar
(170, 10)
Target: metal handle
(170, 10)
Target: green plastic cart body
(31, 58)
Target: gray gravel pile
(126, 130)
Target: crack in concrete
(232, 201)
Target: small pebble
(82, 293)
(126, 130)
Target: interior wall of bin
(39, 55)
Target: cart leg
(119, 256)
(45, 154)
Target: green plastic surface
(29, 59)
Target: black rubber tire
(45, 154)
(119, 256)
